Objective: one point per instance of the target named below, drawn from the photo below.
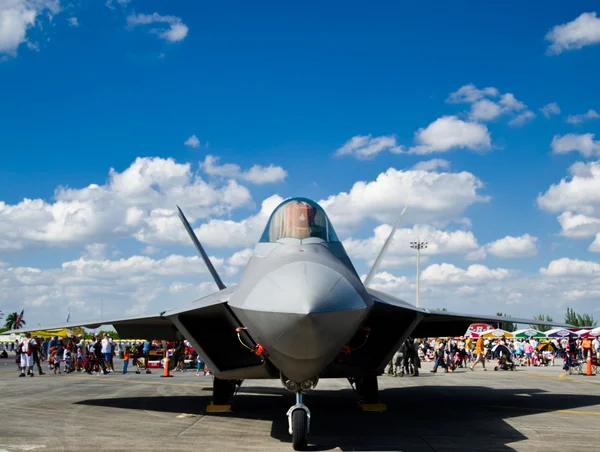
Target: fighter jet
(299, 313)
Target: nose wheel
(299, 423)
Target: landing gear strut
(223, 390)
(368, 390)
(299, 423)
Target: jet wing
(152, 326)
(444, 323)
(392, 320)
(209, 325)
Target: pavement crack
(191, 425)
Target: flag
(19, 319)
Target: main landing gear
(368, 390)
(299, 414)
(223, 390)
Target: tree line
(571, 318)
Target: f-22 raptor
(299, 313)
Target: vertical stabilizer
(377, 262)
(198, 246)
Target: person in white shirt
(28, 349)
(596, 347)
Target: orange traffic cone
(166, 372)
(589, 362)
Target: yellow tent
(497, 334)
(60, 333)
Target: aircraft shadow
(421, 418)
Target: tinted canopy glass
(299, 218)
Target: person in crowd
(528, 349)
(480, 352)
(27, 352)
(38, 356)
(126, 353)
(440, 357)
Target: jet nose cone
(306, 287)
(303, 313)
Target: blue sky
(90, 86)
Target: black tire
(299, 435)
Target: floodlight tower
(418, 245)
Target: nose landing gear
(299, 423)
(299, 415)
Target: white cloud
(173, 31)
(165, 228)
(448, 133)
(134, 285)
(240, 258)
(579, 119)
(192, 142)
(431, 165)
(110, 3)
(17, 17)
(146, 191)
(595, 246)
(73, 22)
(550, 109)
(430, 196)
(580, 193)
(470, 94)
(484, 109)
(95, 251)
(511, 247)
(522, 118)
(451, 274)
(400, 254)
(578, 225)
(366, 146)
(477, 255)
(583, 31)
(571, 267)
(385, 282)
(256, 174)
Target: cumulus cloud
(219, 233)
(578, 197)
(488, 104)
(256, 174)
(581, 32)
(366, 146)
(134, 285)
(73, 22)
(192, 142)
(571, 267)
(448, 133)
(451, 274)
(550, 109)
(386, 282)
(17, 17)
(579, 119)
(172, 29)
(595, 245)
(432, 165)
(143, 194)
(511, 247)
(470, 94)
(578, 225)
(399, 253)
(579, 193)
(430, 196)
(522, 119)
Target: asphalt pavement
(531, 409)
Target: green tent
(529, 333)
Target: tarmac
(530, 409)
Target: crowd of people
(74, 353)
(463, 352)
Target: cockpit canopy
(299, 218)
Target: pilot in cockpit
(300, 220)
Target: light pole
(418, 245)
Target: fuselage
(300, 298)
